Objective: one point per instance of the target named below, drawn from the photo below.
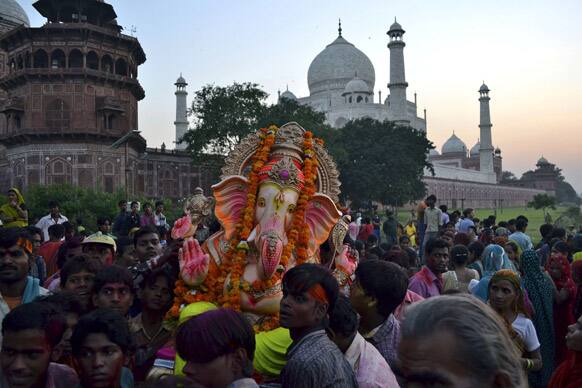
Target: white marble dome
(336, 65)
(454, 145)
(288, 95)
(475, 149)
(11, 16)
(433, 152)
(356, 85)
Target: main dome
(11, 16)
(336, 65)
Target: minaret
(486, 148)
(398, 82)
(181, 122)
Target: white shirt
(526, 330)
(45, 222)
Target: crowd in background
(445, 300)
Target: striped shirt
(315, 361)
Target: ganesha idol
(276, 203)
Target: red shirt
(49, 250)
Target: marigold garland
(298, 237)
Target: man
(101, 344)
(147, 243)
(309, 295)
(16, 287)
(120, 222)
(49, 249)
(113, 289)
(53, 218)
(433, 218)
(100, 247)
(147, 218)
(445, 216)
(160, 219)
(390, 228)
(379, 288)
(428, 281)
(31, 333)
(353, 230)
(467, 220)
(133, 218)
(37, 262)
(457, 341)
(371, 369)
(519, 236)
(218, 347)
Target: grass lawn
(535, 217)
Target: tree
(508, 177)
(222, 116)
(287, 110)
(380, 161)
(544, 202)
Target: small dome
(181, 81)
(484, 88)
(336, 65)
(11, 16)
(395, 27)
(356, 85)
(433, 152)
(288, 95)
(497, 151)
(454, 145)
(542, 160)
(475, 149)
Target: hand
(170, 252)
(347, 259)
(193, 262)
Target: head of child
(156, 292)
(78, 275)
(379, 288)
(101, 344)
(31, 332)
(309, 294)
(218, 347)
(113, 289)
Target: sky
(527, 52)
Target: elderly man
(457, 341)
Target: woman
(460, 277)
(494, 259)
(14, 213)
(506, 298)
(577, 277)
(564, 296)
(475, 254)
(540, 289)
(513, 252)
(366, 230)
(569, 373)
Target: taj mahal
(341, 81)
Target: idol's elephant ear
(231, 197)
(321, 215)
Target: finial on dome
(339, 29)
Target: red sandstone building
(68, 105)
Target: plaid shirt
(315, 361)
(386, 338)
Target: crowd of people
(445, 300)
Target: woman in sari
(540, 289)
(569, 373)
(506, 297)
(564, 295)
(494, 259)
(14, 213)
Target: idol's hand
(193, 262)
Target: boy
(78, 276)
(113, 289)
(379, 288)
(31, 333)
(309, 294)
(147, 243)
(101, 344)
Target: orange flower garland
(232, 268)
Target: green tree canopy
(222, 116)
(379, 161)
(543, 201)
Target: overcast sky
(527, 52)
